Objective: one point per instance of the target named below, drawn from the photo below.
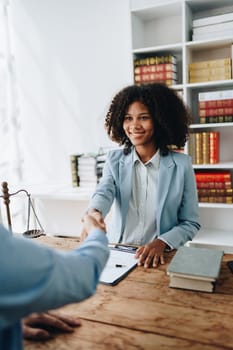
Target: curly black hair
(171, 117)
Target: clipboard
(121, 261)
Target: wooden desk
(142, 312)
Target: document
(121, 261)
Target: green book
(195, 268)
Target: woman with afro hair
(153, 188)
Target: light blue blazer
(177, 214)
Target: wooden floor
(142, 312)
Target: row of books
(214, 186)
(87, 169)
(219, 69)
(213, 26)
(203, 147)
(155, 69)
(215, 106)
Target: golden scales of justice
(6, 197)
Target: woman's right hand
(98, 219)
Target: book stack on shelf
(203, 147)
(211, 27)
(87, 169)
(74, 169)
(195, 268)
(155, 69)
(211, 70)
(215, 106)
(214, 186)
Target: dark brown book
(214, 192)
(217, 119)
(214, 184)
(216, 199)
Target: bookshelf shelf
(211, 125)
(216, 205)
(151, 23)
(225, 165)
(161, 48)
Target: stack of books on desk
(195, 268)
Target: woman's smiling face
(138, 125)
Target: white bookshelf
(165, 27)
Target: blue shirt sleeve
(35, 278)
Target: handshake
(92, 220)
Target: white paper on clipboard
(119, 264)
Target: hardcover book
(195, 268)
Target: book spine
(214, 112)
(215, 95)
(214, 192)
(205, 147)
(206, 177)
(192, 147)
(154, 60)
(216, 199)
(212, 35)
(202, 79)
(214, 28)
(214, 184)
(210, 63)
(74, 170)
(141, 78)
(214, 147)
(198, 150)
(168, 82)
(217, 119)
(206, 104)
(225, 17)
(155, 68)
(209, 72)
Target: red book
(214, 147)
(159, 76)
(154, 68)
(212, 112)
(219, 176)
(215, 103)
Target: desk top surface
(142, 312)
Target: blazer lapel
(125, 178)
(164, 180)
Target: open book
(121, 261)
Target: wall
(71, 56)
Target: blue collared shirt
(140, 225)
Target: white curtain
(10, 150)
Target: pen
(126, 248)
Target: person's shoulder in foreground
(37, 278)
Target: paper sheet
(119, 264)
